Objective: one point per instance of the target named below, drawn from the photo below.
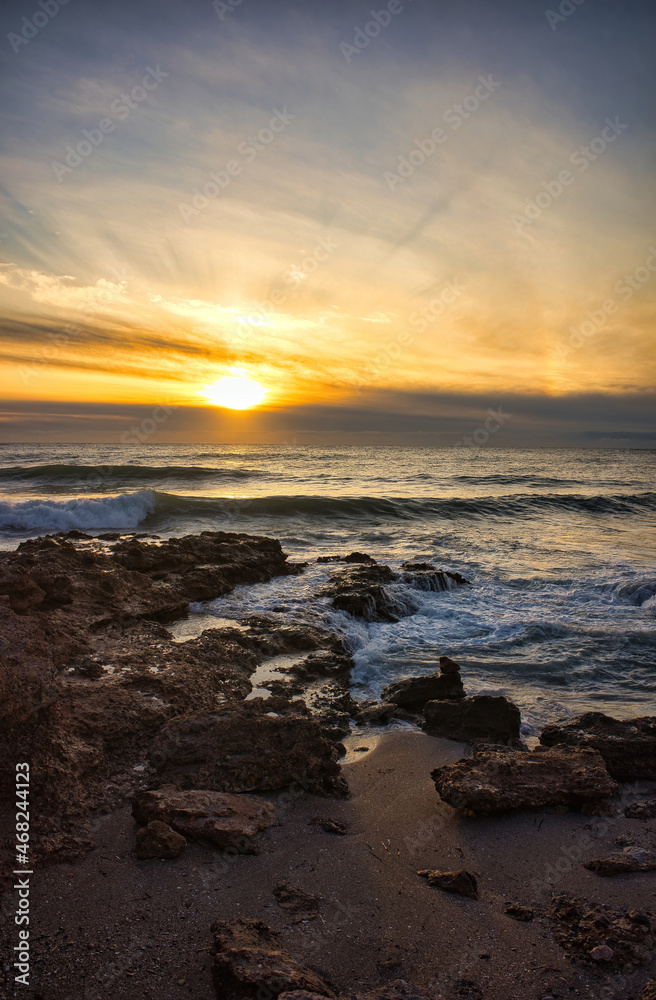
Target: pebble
(602, 953)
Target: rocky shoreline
(215, 743)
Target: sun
(235, 391)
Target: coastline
(105, 704)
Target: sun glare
(235, 391)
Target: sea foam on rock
(360, 587)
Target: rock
(158, 840)
(629, 748)
(461, 882)
(88, 674)
(298, 904)
(360, 590)
(634, 859)
(232, 822)
(330, 825)
(482, 717)
(495, 781)
(581, 927)
(250, 961)
(649, 991)
(641, 810)
(246, 747)
(413, 692)
(602, 953)
(329, 559)
(519, 912)
(449, 666)
(376, 713)
(425, 576)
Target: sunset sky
(391, 224)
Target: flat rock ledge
(232, 822)
(498, 781)
(628, 747)
(250, 961)
(633, 859)
(260, 745)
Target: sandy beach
(112, 926)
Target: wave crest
(121, 513)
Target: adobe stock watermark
(595, 319)
(454, 117)
(580, 158)
(475, 441)
(31, 26)
(362, 36)
(121, 107)
(566, 9)
(249, 149)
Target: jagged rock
(298, 904)
(360, 590)
(425, 576)
(449, 666)
(496, 781)
(482, 717)
(248, 746)
(414, 692)
(581, 927)
(88, 674)
(249, 961)
(519, 912)
(158, 840)
(641, 810)
(460, 882)
(230, 821)
(628, 747)
(634, 859)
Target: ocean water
(560, 547)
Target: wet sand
(108, 925)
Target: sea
(559, 546)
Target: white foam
(118, 513)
